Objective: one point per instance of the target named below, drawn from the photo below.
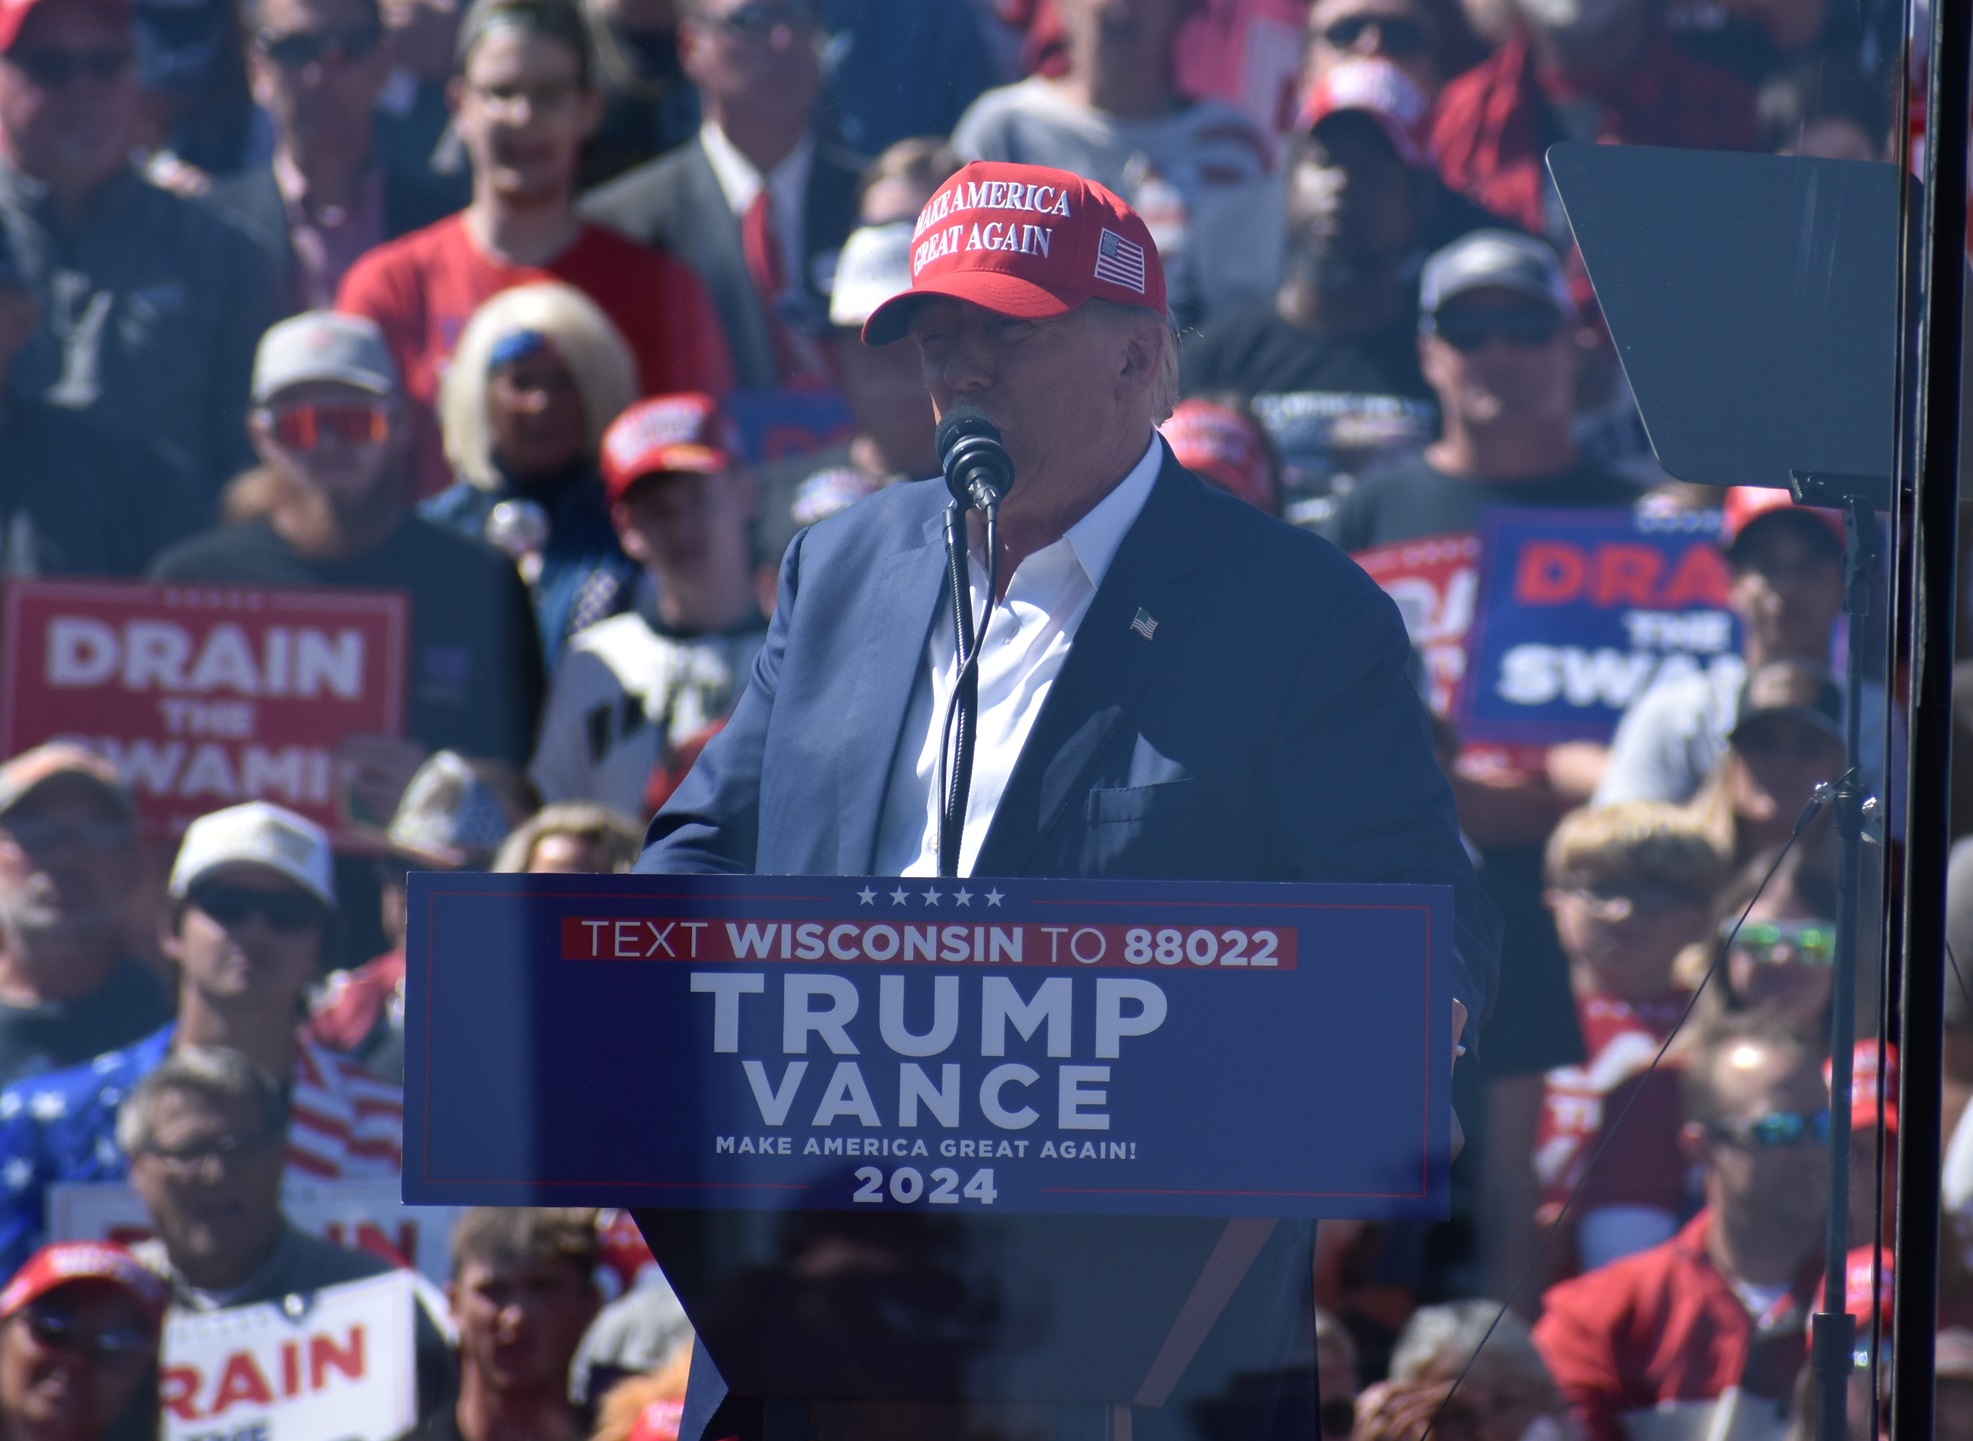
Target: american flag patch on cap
(1120, 261)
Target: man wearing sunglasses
(1405, 33)
(325, 197)
(758, 204)
(1713, 1319)
(1500, 343)
(203, 1133)
(1361, 209)
(328, 423)
(79, 1328)
(252, 897)
(149, 305)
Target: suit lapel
(721, 260)
(881, 670)
(1107, 669)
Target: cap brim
(369, 382)
(991, 289)
(1808, 715)
(118, 799)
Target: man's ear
(690, 36)
(455, 91)
(627, 536)
(168, 942)
(1142, 354)
(261, 436)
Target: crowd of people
(474, 305)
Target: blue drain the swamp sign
(1030, 1046)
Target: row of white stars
(931, 895)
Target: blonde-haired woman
(538, 374)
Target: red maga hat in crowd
(1746, 504)
(1025, 241)
(14, 13)
(1380, 90)
(66, 1262)
(666, 434)
(1224, 447)
(1863, 1086)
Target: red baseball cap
(64, 1262)
(1224, 447)
(1025, 241)
(1747, 503)
(667, 433)
(14, 13)
(1863, 1086)
(1380, 90)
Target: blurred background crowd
(544, 314)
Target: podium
(1019, 1158)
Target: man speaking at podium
(1170, 683)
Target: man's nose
(965, 370)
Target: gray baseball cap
(321, 345)
(1494, 260)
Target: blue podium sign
(930, 1046)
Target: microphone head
(971, 454)
(962, 421)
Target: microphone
(978, 470)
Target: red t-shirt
(422, 288)
(1644, 1166)
(1494, 124)
(1663, 1332)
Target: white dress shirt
(1027, 640)
(787, 189)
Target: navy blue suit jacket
(1266, 731)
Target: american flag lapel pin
(1145, 624)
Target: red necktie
(795, 361)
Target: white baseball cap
(875, 264)
(258, 834)
(322, 345)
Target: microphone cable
(1824, 795)
(966, 661)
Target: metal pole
(1935, 506)
(1833, 1340)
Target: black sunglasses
(1471, 330)
(282, 910)
(1395, 35)
(751, 22)
(59, 1331)
(53, 69)
(1775, 1131)
(301, 50)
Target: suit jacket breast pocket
(1120, 805)
(1141, 832)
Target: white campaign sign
(344, 1369)
(349, 1213)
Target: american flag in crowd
(1119, 261)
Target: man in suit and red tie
(1172, 683)
(759, 203)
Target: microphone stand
(965, 702)
(1832, 1340)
